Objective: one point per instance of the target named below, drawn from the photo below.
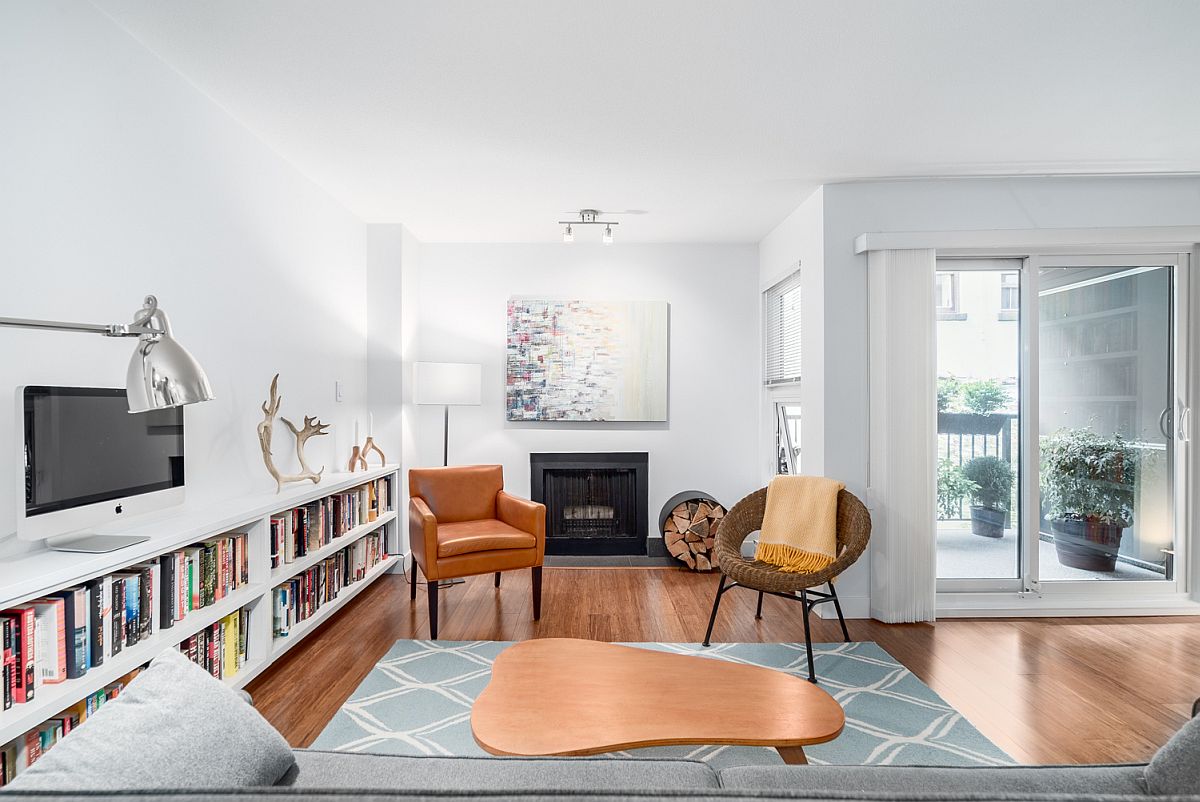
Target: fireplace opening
(595, 503)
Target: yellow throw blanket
(799, 531)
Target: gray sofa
(348, 777)
(177, 734)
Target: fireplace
(595, 503)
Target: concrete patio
(962, 555)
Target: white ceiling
(487, 121)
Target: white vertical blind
(781, 331)
(902, 434)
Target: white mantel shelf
(30, 575)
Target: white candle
(370, 424)
(356, 431)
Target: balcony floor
(962, 555)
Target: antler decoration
(312, 428)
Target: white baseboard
(852, 607)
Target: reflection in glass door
(1106, 408)
(978, 424)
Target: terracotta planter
(1087, 544)
(987, 522)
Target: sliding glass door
(979, 543)
(1060, 439)
(1107, 334)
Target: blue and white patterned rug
(417, 701)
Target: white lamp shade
(452, 383)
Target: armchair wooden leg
(412, 589)
(758, 610)
(497, 579)
(433, 608)
(537, 591)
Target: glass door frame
(1108, 589)
(998, 264)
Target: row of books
(303, 595)
(300, 531)
(65, 634)
(202, 575)
(220, 649)
(21, 753)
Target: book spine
(96, 609)
(166, 573)
(117, 612)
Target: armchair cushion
(459, 493)
(465, 537)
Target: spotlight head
(608, 238)
(568, 235)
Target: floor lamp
(446, 384)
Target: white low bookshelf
(39, 573)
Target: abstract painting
(586, 360)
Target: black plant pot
(1087, 545)
(987, 522)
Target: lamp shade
(448, 383)
(162, 373)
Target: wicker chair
(853, 532)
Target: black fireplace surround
(595, 503)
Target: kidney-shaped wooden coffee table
(560, 696)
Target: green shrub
(952, 487)
(984, 397)
(1087, 476)
(993, 478)
(948, 389)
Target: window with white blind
(781, 331)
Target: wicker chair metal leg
(712, 619)
(758, 610)
(812, 674)
(497, 579)
(837, 605)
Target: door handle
(1185, 425)
(1164, 423)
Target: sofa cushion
(317, 769)
(466, 537)
(1175, 769)
(1015, 780)
(173, 727)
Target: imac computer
(88, 462)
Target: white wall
(799, 241)
(709, 442)
(119, 179)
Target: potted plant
(952, 487)
(1088, 486)
(993, 478)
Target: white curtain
(903, 428)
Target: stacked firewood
(690, 533)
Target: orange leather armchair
(462, 523)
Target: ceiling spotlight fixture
(588, 217)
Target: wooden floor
(1045, 690)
